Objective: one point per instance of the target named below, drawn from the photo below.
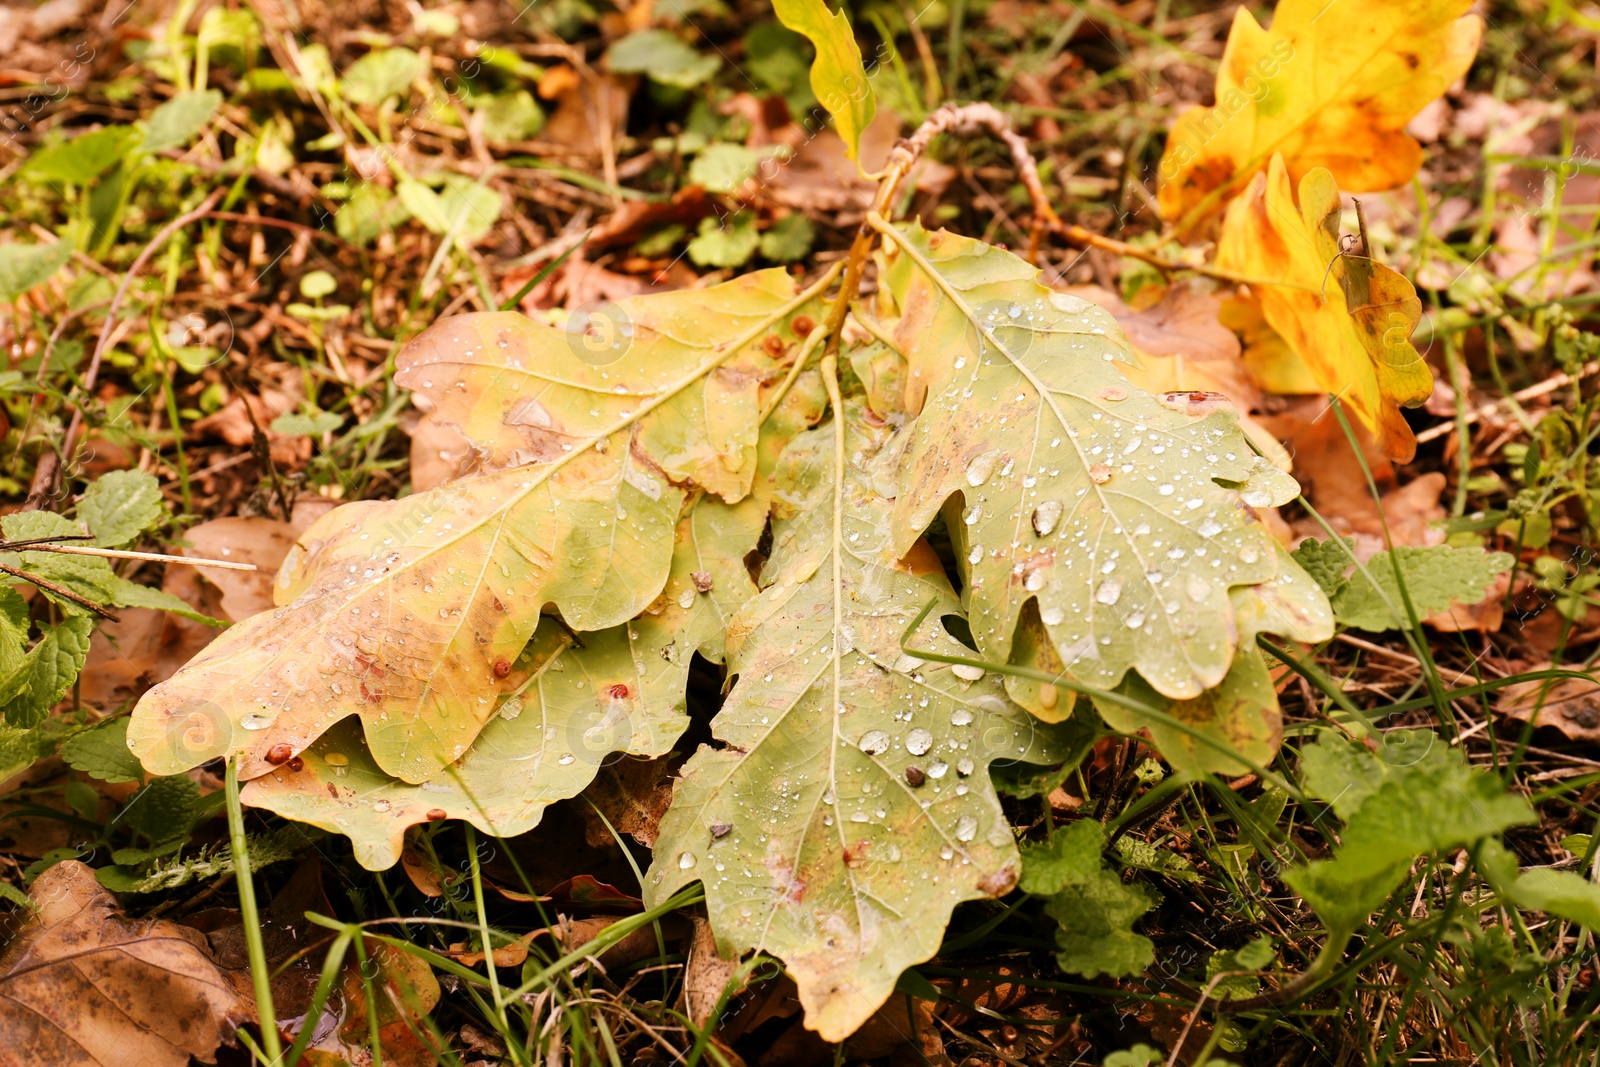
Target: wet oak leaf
(1347, 318)
(1329, 85)
(571, 708)
(849, 808)
(1126, 517)
(83, 984)
(399, 611)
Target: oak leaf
(1346, 317)
(402, 611)
(83, 984)
(566, 710)
(1329, 85)
(1127, 517)
(849, 807)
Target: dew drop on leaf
(919, 741)
(970, 673)
(1045, 517)
(874, 742)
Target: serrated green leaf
(381, 74)
(585, 440)
(789, 240)
(165, 809)
(838, 77)
(82, 158)
(19, 749)
(46, 673)
(723, 167)
(1328, 562)
(726, 242)
(24, 267)
(1126, 517)
(1095, 910)
(850, 808)
(121, 505)
(1415, 796)
(513, 116)
(179, 120)
(1435, 577)
(102, 752)
(1255, 955)
(569, 710)
(663, 56)
(1144, 856)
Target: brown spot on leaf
(999, 883)
(502, 667)
(803, 325)
(279, 754)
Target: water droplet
(1052, 615)
(685, 860)
(874, 742)
(1210, 527)
(566, 759)
(1109, 592)
(1035, 581)
(1045, 517)
(937, 768)
(975, 556)
(961, 717)
(918, 742)
(970, 673)
(979, 469)
(1197, 587)
(1113, 392)
(1048, 695)
(1135, 620)
(336, 759)
(972, 515)
(965, 766)
(1100, 473)
(256, 721)
(380, 806)
(1166, 488)
(966, 828)
(1257, 498)
(686, 599)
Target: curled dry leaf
(1329, 85)
(83, 984)
(1127, 517)
(587, 450)
(1346, 317)
(850, 808)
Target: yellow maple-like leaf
(1346, 317)
(1331, 84)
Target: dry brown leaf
(705, 974)
(508, 955)
(83, 984)
(1570, 705)
(632, 794)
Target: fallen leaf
(1347, 318)
(83, 984)
(1567, 704)
(511, 954)
(1329, 85)
(888, 817)
(706, 974)
(1068, 476)
(584, 454)
(633, 795)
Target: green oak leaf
(585, 441)
(849, 808)
(1125, 517)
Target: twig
(1549, 385)
(120, 553)
(58, 590)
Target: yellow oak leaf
(1331, 84)
(1346, 317)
